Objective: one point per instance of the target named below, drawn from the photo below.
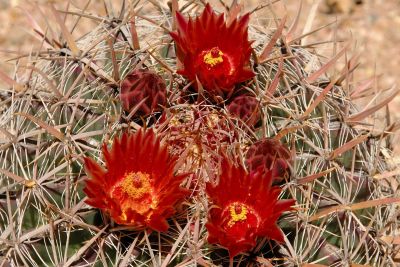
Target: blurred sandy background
(372, 25)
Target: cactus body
(67, 107)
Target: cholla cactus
(196, 168)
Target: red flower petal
(246, 206)
(139, 187)
(217, 54)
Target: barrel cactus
(189, 134)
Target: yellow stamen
(136, 184)
(238, 213)
(123, 216)
(213, 57)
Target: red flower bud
(141, 84)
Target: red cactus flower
(245, 108)
(217, 53)
(139, 187)
(268, 154)
(246, 206)
(141, 84)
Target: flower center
(213, 57)
(136, 184)
(238, 212)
